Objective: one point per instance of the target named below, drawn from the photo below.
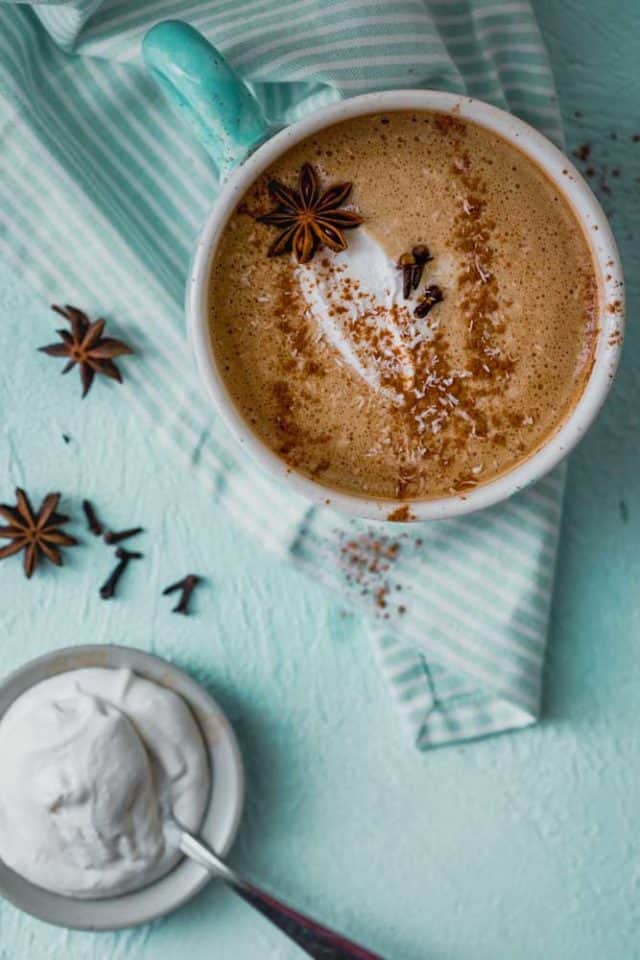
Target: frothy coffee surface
(377, 394)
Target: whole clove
(412, 265)
(92, 520)
(112, 537)
(187, 585)
(108, 588)
(432, 295)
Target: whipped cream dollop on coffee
(93, 762)
(356, 300)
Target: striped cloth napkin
(102, 195)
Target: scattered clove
(108, 588)
(112, 537)
(187, 585)
(92, 520)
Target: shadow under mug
(230, 123)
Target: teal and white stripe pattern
(102, 195)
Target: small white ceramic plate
(221, 819)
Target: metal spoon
(316, 941)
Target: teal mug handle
(206, 91)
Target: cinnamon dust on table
(599, 162)
(367, 562)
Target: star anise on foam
(38, 534)
(307, 218)
(84, 345)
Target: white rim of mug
(186, 878)
(589, 214)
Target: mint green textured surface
(514, 847)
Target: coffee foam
(361, 289)
(444, 405)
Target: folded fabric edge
(431, 719)
(64, 19)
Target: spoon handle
(317, 941)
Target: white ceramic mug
(229, 122)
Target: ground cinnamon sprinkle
(260, 200)
(438, 408)
(448, 408)
(294, 326)
(448, 124)
(583, 152)
(599, 161)
(284, 410)
(367, 562)
(401, 515)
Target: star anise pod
(308, 219)
(84, 345)
(38, 534)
